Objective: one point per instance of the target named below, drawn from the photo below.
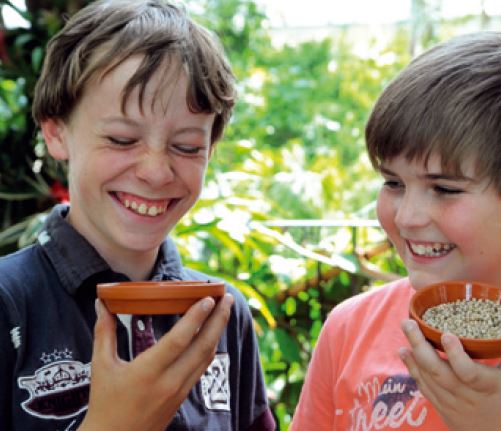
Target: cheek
(386, 213)
(193, 175)
(458, 226)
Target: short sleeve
(316, 406)
(8, 336)
(253, 409)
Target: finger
(424, 354)
(435, 376)
(210, 334)
(409, 361)
(477, 376)
(460, 362)
(177, 340)
(195, 360)
(407, 357)
(427, 384)
(105, 340)
(429, 362)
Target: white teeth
(142, 209)
(435, 250)
(418, 249)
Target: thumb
(105, 338)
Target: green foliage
(27, 175)
(294, 150)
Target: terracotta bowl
(156, 297)
(449, 291)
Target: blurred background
(288, 211)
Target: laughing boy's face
(132, 175)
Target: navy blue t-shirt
(47, 316)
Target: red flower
(59, 192)
(4, 57)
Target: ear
(53, 134)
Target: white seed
(475, 318)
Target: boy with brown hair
(133, 95)
(435, 137)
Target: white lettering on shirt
(371, 411)
(15, 337)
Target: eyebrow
(447, 177)
(192, 129)
(122, 120)
(431, 176)
(130, 122)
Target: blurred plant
(294, 150)
(30, 182)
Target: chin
(140, 243)
(419, 281)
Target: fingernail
(208, 303)
(228, 298)
(447, 340)
(99, 307)
(408, 325)
(403, 353)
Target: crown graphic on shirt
(56, 355)
(57, 390)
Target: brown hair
(105, 33)
(446, 102)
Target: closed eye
(188, 149)
(442, 190)
(393, 184)
(121, 141)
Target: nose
(156, 168)
(412, 211)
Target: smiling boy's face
(132, 176)
(443, 227)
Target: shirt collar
(75, 259)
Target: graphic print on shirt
(215, 383)
(59, 389)
(391, 404)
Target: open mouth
(435, 249)
(142, 206)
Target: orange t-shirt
(356, 380)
